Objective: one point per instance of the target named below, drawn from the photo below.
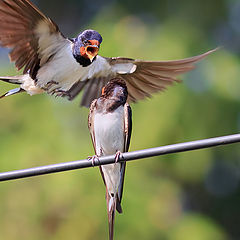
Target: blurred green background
(185, 196)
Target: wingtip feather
(12, 92)
(111, 210)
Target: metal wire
(180, 147)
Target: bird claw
(49, 85)
(60, 93)
(57, 92)
(92, 159)
(118, 156)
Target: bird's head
(86, 46)
(116, 89)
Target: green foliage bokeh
(192, 195)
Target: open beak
(92, 51)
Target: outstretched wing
(92, 88)
(153, 76)
(33, 37)
(143, 78)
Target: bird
(62, 66)
(110, 126)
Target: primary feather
(58, 66)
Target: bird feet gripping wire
(118, 156)
(93, 159)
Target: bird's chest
(63, 70)
(109, 132)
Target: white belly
(109, 138)
(66, 72)
(109, 132)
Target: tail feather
(12, 92)
(111, 209)
(12, 79)
(118, 205)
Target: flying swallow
(63, 66)
(110, 125)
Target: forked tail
(111, 209)
(11, 79)
(12, 92)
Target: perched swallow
(62, 66)
(110, 125)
